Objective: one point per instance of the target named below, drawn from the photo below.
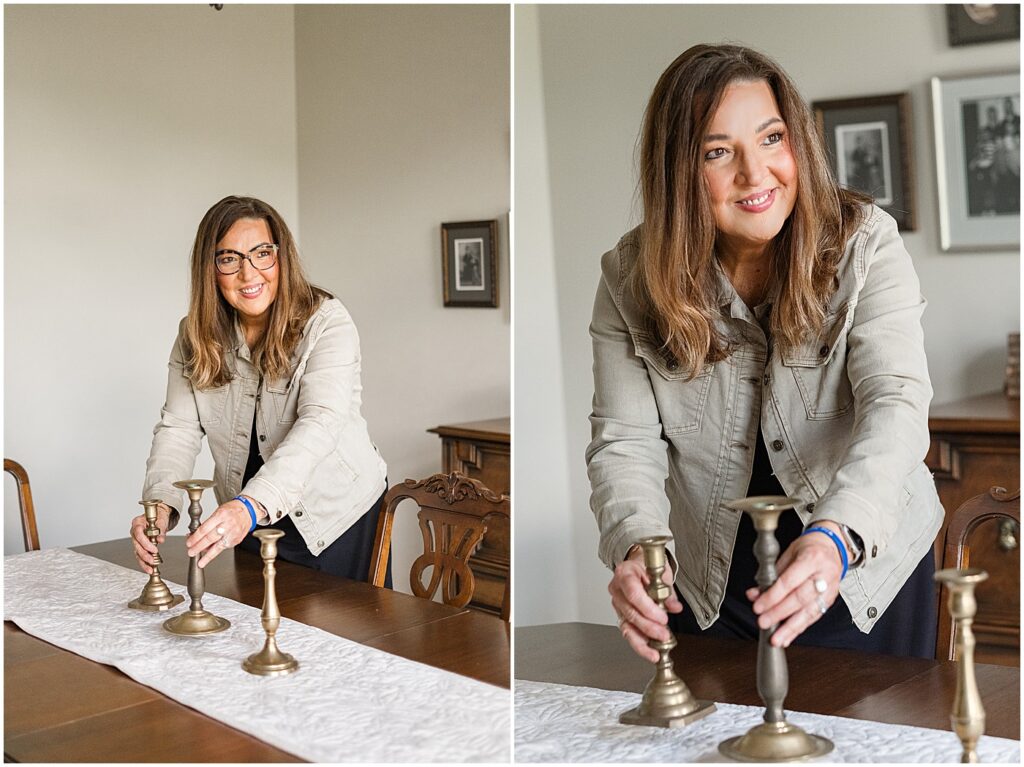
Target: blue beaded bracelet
(839, 545)
(252, 514)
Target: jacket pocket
(680, 402)
(284, 399)
(819, 369)
(211, 404)
(348, 474)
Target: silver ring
(820, 585)
(821, 604)
(224, 545)
(220, 531)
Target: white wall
(404, 124)
(597, 67)
(543, 525)
(370, 124)
(123, 124)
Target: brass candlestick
(968, 717)
(197, 621)
(667, 701)
(270, 661)
(155, 594)
(776, 740)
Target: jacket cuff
(172, 500)
(848, 508)
(172, 519)
(268, 497)
(616, 544)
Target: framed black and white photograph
(469, 263)
(970, 23)
(862, 154)
(868, 145)
(469, 257)
(977, 145)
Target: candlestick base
(270, 661)
(156, 597)
(667, 705)
(197, 623)
(775, 742)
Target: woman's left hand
(808, 584)
(226, 527)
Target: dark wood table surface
(879, 688)
(61, 707)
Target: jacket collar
(728, 297)
(241, 348)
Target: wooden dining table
(61, 707)
(880, 688)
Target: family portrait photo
(992, 149)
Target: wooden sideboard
(975, 445)
(481, 450)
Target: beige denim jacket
(844, 417)
(319, 463)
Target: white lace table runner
(559, 723)
(346, 702)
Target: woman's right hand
(144, 549)
(640, 618)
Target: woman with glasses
(760, 334)
(267, 367)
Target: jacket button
(278, 515)
(767, 379)
(874, 551)
(672, 365)
(872, 612)
(823, 351)
(810, 507)
(263, 438)
(321, 543)
(298, 513)
(777, 445)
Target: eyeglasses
(262, 257)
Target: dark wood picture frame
(987, 24)
(469, 263)
(868, 144)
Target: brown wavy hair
(675, 282)
(210, 325)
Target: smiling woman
(759, 334)
(748, 149)
(267, 367)
(247, 278)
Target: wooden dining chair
(28, 512)
(454, 514)
(985, 532)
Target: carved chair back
(985, 532)
(28, 512)
(454, 514)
